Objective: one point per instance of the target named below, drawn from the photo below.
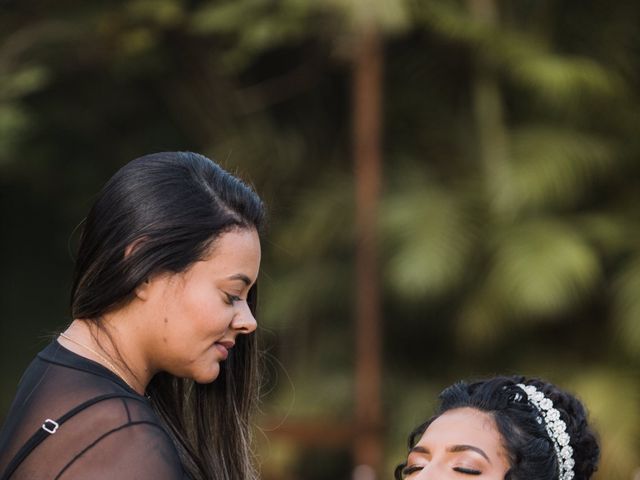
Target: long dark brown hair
(172, 206)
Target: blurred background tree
(508, 227)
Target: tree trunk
(367, 118)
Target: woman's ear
(142, 290)
(129, 249)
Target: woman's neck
(107, 343)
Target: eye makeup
(409, 469)
(231, 299)
(468, 471)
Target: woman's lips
(223, 348)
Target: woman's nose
(244, 321)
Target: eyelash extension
(414, 468)
(467, 471)
(408, 470)
(232, 298)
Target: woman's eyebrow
(465, 448)
(419, 449)
(242, 277)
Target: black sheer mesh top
(74, 419)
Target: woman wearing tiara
(508, 428)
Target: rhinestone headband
(556, 429)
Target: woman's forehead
(464, 426)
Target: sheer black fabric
(111, 432)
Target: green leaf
(300, 292)
(612, 398)
(23, 81)
(555, 78)
(430, 235)
(627, 305)
(323, 219)
(555, 167)
(225, 17)
(543, 268)
(166, 13)
(14, 121)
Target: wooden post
(367, 127)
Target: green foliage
(164, 13)
(524, 260)
(627, 305)
(541, 268)
(13, 123)
(554, 167)
(600, 390)
(430, 240)
(565, 79)
(22, 82)
(524, 57)
(18, 78)
(272, 25)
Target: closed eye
(467, 471)
(408, 470)
(232, 298)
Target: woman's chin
(207, 375)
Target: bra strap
(50, 427)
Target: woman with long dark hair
(155, 377)
(503, 428)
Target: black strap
(38, 437)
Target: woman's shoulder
(82, 415)
(60, 383)
(114, 438)
(120, 438)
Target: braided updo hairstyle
(530, 451)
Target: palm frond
(14, 121)
(165, 13)
(525, 59)
(321, 219)
(298, 295)
(612, 398)
(542, 267)
(483, 319)
(271, 25)
(22, 81)
(555, 167)
(612, 232)
(627, 305)
(430, 236)
(389, 15)
(562, 79)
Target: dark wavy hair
(530, 450)
(173, 206)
